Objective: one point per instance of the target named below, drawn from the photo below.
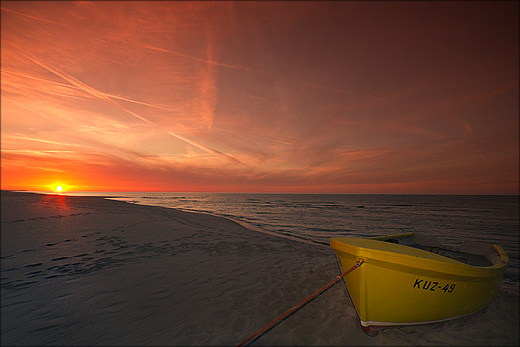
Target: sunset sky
(296, 97)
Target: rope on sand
(358, 264)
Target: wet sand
(90, 271)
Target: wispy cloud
(29, 16)
(85, 87)
(260, 96)
(208, 60)
(108, 98)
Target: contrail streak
(107, 98)
(207, 61)
(86, 88)
(32, 17)
(7, 137)
(4, 71)
(205, 148)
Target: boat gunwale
(429, 258)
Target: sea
(318, 217)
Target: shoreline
(88, 270)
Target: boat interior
(473, 253)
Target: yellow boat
(410, 279)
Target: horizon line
(233, 192)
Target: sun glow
(57, 187)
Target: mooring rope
(358, 264)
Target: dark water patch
(22, 284)
(47, 327)
(34, 265)
(51, 276)
(10, 269)
(33, 273)
(59, 258)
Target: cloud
(205, 109)
(31, 17)
(259, 95)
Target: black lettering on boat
(432, 285)
(417, 283)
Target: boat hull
(400, 285)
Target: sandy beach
(91, 271)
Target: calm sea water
(318, 217)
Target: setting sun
(59, 188)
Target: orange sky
(324, 97)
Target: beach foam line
(272, 233)
(244, 224)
